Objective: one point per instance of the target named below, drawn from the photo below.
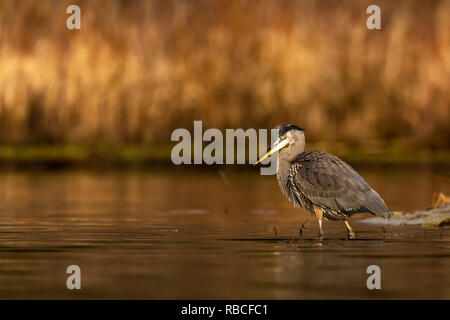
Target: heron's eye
(282, 137)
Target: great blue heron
(320, 182)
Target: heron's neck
(283, 170)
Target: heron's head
(290, 143)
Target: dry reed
(138, 69)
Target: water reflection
(171, 235)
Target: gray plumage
(320, 179)
(316, 179)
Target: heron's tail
(376, 205)
(390, 214)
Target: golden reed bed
(138, 69)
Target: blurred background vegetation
(139, 69)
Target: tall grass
(138, 69)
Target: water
(184, 234)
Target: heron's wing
(329, 182)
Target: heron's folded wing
(329, 182)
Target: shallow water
(209, 235)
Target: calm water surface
(209, 235)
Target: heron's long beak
(280, 144)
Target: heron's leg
(350, 232)
(319, 215)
